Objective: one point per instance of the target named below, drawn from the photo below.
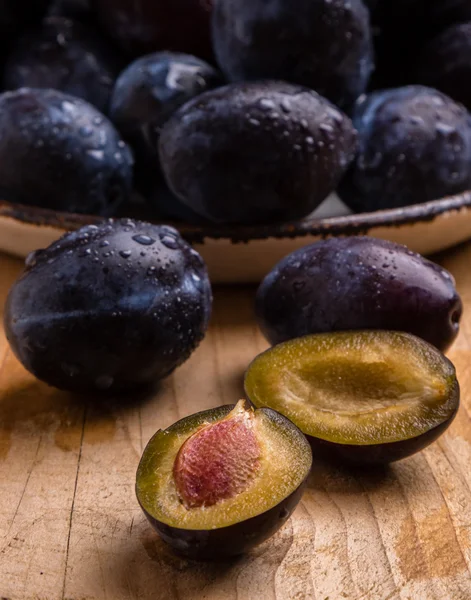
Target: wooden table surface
(70, 526)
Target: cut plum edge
(159, 446)
(380, 428)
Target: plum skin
(322, 44)
(234, 540)
(109, 308)
(145, 96)
(63, 55)
(154, 86)
(73, 155)
(358, 283)
(380, 454)
(256, 152)
(415, 146)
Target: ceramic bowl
(246, 254)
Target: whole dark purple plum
(256, 152)
(143, 26)
(322, 44)
(67, 56)
(73, 156)
(415, 146)
(109, 307)
(146, 94)
(445, 63)
(356, 283)
(153, 87)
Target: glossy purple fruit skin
(109, 308)
(445, 63)
(256, 152)
(415, 146)
(380, 454)
(153, 87)
(64, 55)
(321, 44)
(143, 26)
(74, 158)
(232, 541)
(343, 284)
(145, 96)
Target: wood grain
(70, 527)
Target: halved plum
(219, 482)
(363, 396)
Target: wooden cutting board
(70, 526)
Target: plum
(143, 26)
(146, 94)
(445, 63)
(321, 44)
(74, 158)
(110, 307)
(153, 87)
(415, 146)
(67, 56)
(256, 152)
(217, 483)
(360, 396)
(358, 283)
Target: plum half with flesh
(256, 152)
(219, 482)
(322, 44)
(59, 152)
(358, 283)
(415, 146)
(67, 56)
(362, 396)
(109, 307)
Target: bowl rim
(359, 223)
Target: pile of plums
(356, 371)
(239, 112)
(233, 111)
